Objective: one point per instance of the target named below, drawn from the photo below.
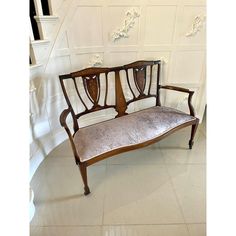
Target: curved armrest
(63, 117)
(180, 89)
(184, 90)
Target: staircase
(41, 45)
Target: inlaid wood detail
(91, 82)
(140, 79)
(139, 69)
(92, 88)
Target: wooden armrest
(184, 90)
(63, 117)
(180, 89)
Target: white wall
(171, 30)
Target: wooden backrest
(142, 81)
(91, 83)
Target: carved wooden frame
(91, 83)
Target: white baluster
(38, 7)
(31, 31)
(50, 7)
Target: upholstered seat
(138, 127)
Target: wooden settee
(126, 131)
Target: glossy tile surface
(197, 229)
(157, 190)
(189, 184)
(140, 195)
(66, 231)
(145, 230)
(59, 198)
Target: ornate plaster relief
(196, 25)
(163, 60)
(128, 23)
(96, 60)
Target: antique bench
(126, 132)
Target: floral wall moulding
(128, 23)
(96, 60)
(197, 25)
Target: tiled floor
(157, 190)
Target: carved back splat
(92, 88)
(140, 78)
(139, 69)
(91, 78)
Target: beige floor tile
(197, 229)
(59, 198)
(150, 155)
(145, 230)
(189, 184)
(66, 231)
(178, 155)
(179, 139)
(138, 194)
(63, 151)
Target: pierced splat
(91, 78)
(92, 88)
(140, 78)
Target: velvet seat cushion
(132, 129)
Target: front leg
(83, 171)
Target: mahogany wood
(184, 90)
(91, 77)
(121, 105)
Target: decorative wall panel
(192, 27)
(160, 23)
(119, 58)
(63, 42)
(187, 67)
(79, 33)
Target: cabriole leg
(193, 132)
(83, 171)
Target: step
(46, 25)
(39, 42)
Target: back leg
(193, 132)
(83, 171)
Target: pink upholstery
(132, 129)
